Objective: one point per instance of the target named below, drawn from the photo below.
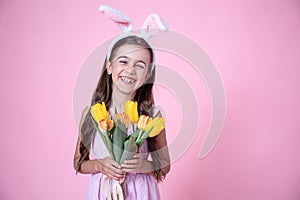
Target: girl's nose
(130, 67)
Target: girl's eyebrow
(130, 59)
(122, 57)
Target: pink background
(254, 44)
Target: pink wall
(255, 46)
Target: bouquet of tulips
(114, 132)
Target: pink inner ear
(151, 23)
(122, 23)
(155, 22)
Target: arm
(163, 155)
(106, 165)
(162, 146)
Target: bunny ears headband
(151, 26)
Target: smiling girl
(128, 74)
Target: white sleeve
(158, 109)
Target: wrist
(147, 167)
(98, 165)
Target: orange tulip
(143, 122)
(106, 124)
(124, 118)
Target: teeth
(126, 80)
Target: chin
(126, 90)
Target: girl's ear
(149, 74)
(108, 67)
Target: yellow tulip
(99, 112)
(143, 122)
(106, 124)
(156, 126)
(131, 109)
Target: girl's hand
(111, 168)
(133, 165)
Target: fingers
(115, 164)
(112, 169)
(129, 166)
(114, 173)
(131, 162)
(117, 176)
(115, 170)
(132, 165)
(138, 156)
(127, 170)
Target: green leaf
(135, 134)
(119, 136)
(143, 137)
(130, 148)
(115, 110)
(110, 133)
(105, 138)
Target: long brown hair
(103, 93)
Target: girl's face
(129, 68)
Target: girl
(128, 74)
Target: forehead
(133, 52)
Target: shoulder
(158, 111)
(83, 115)
(85, 111)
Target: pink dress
(137, 186)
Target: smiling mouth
(127, 80)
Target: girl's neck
(118, 100)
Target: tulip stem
(139, 136)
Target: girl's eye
(140, 66)
(123, 61)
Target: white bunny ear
(153, 25)
(124, 22)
